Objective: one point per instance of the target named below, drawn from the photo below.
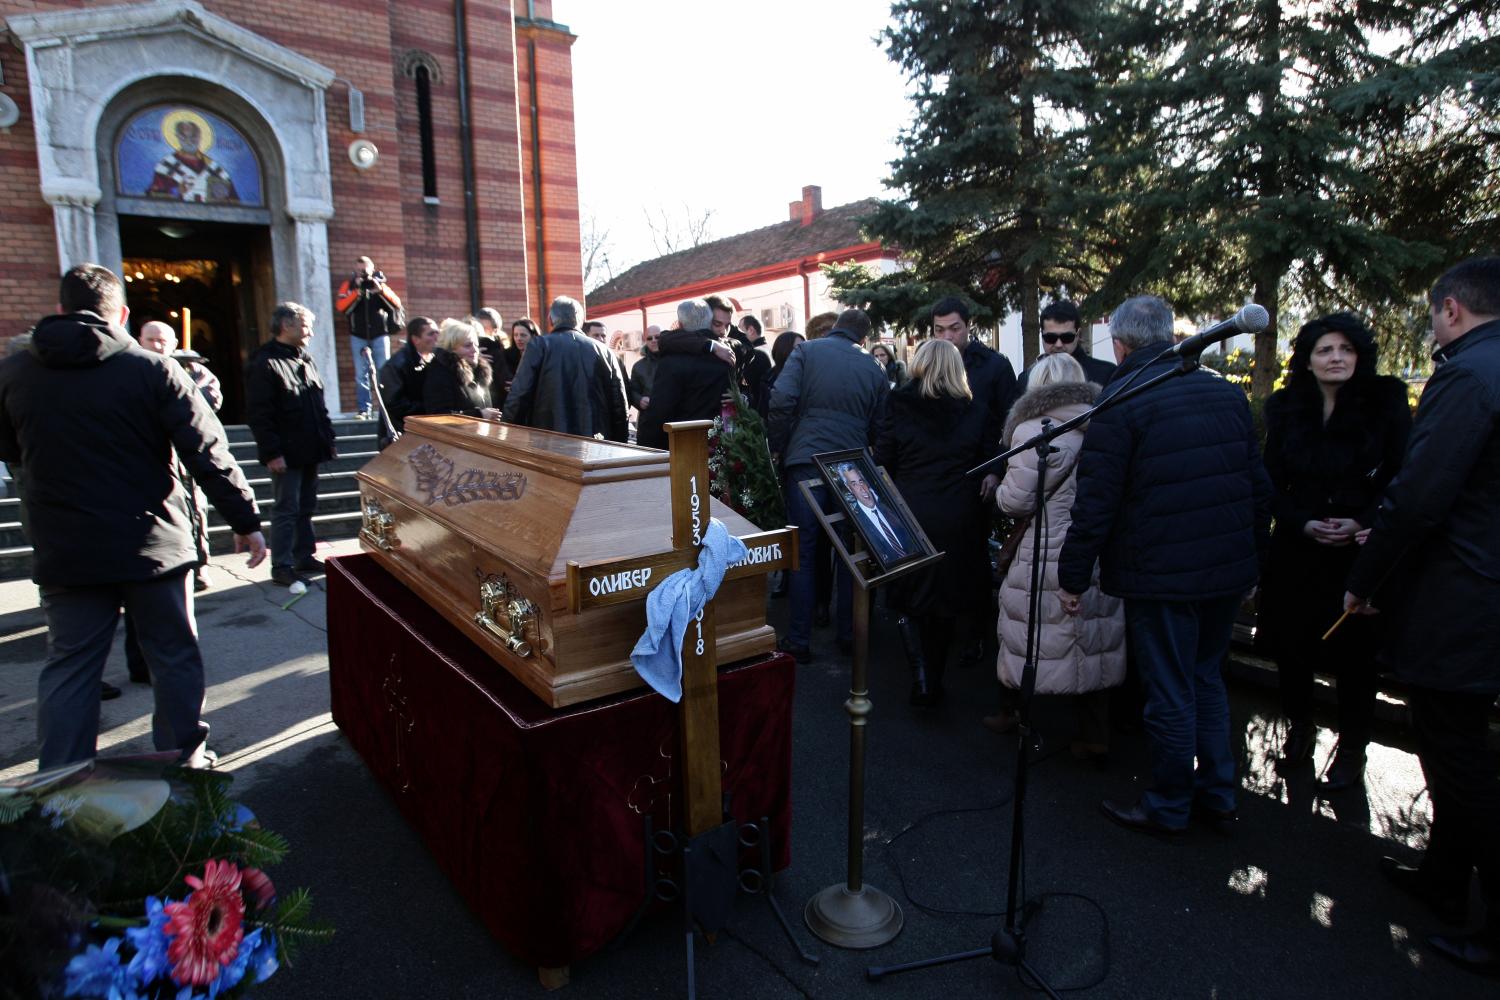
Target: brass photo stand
(852, 914)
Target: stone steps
(338, 514)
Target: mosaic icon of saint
(188, 173)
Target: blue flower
(263, 963)
(186, 993)
(235, 971)
(93, 973)
(150, 942)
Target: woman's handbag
(1006, 554)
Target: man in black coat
(992, 380)
(567, 382)
(289, 419)
(401, 377)
(1436, 542)
(1175, 506)
(1063, 331)
(643, 372)
(94, 421)
(686, 386)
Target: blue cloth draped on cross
(676, 602)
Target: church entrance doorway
(215, 277)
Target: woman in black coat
(1334, 438)
(895, 371)
(458, 377)
(929, 435)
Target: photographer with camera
(373, 311)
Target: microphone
(1250, 319)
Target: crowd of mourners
(1114, 557)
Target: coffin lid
(585, 499)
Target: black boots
(1298, 749)
(1348, 770)
(922, 691)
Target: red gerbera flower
(205, 929)
(259, 887)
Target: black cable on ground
(266, 596)
(768, 960)
(1026, 905)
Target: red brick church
(227, 155)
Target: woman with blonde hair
(1084, 654)
(929, 436)
(458, 377)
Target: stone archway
(88, 68)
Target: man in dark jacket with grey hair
(288, 416)
(94, 421)
(826, 399)
(1436, 542)
(1175, 507)
(568, 382)
(686, 385)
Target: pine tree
(1252, 143)
(983, 158)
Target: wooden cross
(592, 585)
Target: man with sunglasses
(1062, 330)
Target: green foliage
(740, 469)
(983, 158)
(293, 924)
(1316, 156)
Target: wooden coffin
(481, 519)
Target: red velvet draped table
(534, 813)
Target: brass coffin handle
(505, 614)
(379, 527)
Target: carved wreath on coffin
(440, 479)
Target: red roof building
(774, 273)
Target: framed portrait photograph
(874, 508)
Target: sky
(684, 106)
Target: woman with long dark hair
(1334, 438)
(895, 371)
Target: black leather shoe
(1225, 821)
(1468, 951)
(141, 678)
(1133, 817)
(107, 691)
(312, 564)
(285, 576)
(1449, 909)
(802, 654)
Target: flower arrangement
(135, 879)
(740, 471)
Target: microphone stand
(1008, 944)
(390, 427)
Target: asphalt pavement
(1290, 906)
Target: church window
(424, 124)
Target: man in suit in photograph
(883, 528)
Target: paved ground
(1291, 907)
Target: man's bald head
(157, 337)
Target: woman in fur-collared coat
(1083, 654)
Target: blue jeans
(380, 349)
(1179, 648)
(295, 497)
(802, 588)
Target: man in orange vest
(373, 312)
